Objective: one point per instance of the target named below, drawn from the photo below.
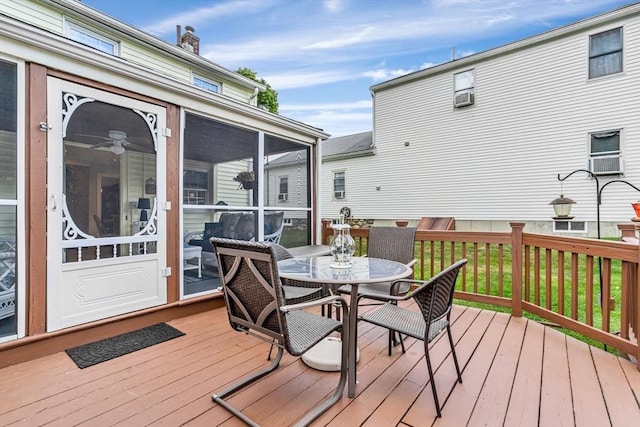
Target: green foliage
(267, 99)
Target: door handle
(54, 205)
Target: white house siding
(498, 160)
(297, 180)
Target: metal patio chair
(256, 305)
(392, 243)
(434, 298)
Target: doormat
(110, 348)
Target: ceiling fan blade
(93, 136)
(102, 144)
(139, 141)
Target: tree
(267, 99)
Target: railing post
(635, 299)
(627, 230)
(516, 268)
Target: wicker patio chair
(296, 291)
(393, 243)
(434, 298)
(256, 305)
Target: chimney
(190, 41)
(178, 34)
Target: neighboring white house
(483, 138)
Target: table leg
(353, 339)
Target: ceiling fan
(117, 141)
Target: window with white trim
(339, 186)
(463, 88)
(283, 189)
(569, 226)
(605, 53)
(195, 187)
(206, 84)
(605, 154)
(92, 39)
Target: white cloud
(301, 78)
(333, 5)
(341, 106)
(205, 15)
(384, 74)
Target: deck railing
(584, 285)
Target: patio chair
(256, 305)
(393, 243)
(434, 298)
(296, 291)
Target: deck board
(515, 372)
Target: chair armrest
(316, 302)
(394, 286)
(322, 301)
(193, 235)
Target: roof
(355, 145)
(110, 24)
(585, 24)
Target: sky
(322, 56)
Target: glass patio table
(363, 270)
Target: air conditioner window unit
(338, 194)
(606, 165)
(463, 99)
(283, 196)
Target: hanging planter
(636, 208)
(246, 179)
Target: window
(10, 197)
(339, 185)
(605, 53)
(570, 226)
(205, 84)
(196, 187)
(605, 153)
(283, 190)
(463, 88)
(89, 38)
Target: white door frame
(87, 290)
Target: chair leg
(453, 352)
(337, 393)
(271, 349)
(219, 396)
(431, 379)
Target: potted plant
(636, 208)
(246, 179)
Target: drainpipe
(256, 90)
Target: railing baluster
(500, 270)
(606, 294)
(574, 285)
(487, 268)
(536, 272)
(547, 282)
(589, 291)
(561, 282)
(475, 267)
(464, 276)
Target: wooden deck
(516, 373)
